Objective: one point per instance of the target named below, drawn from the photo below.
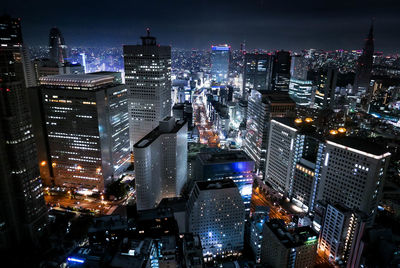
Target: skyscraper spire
(364, 63)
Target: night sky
(279, 24)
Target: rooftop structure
(81, 80)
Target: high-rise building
(324, 96)
(86, 124)
(235, 165)
(220, 56)
(288, 248)
(216, 213)
(353, 174)
(340, 237)
(57, 47)
(161, 163)
(281, 71)
(148, 77)
(261, 108)
(23, 213)
(299, 67)
(257, 71)
(364, 64)
(294, 159)
(280, 157)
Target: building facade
(216, 213)
(148, 78)
(161, 163)
(288, 248)
(220, 56)
(23, 212)
(86, 124)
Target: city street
(276, 212)
(206, 133)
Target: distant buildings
(324, 95)
(364, 64)
(281, 71)
(57, 47)
(220, 56)
(216, 213)
(148, 78)
(86, 125)
(161, 163)
(257, 72)
(283, 248)
(23, 212)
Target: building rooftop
(223, 156)
(77, 80)
(273, 97)
(158, 131)
(294, 238)
(216, 185)
(359, 145)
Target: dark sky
(279, 24)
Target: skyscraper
(23, 213)
(57, 47)
(148, 77)
(261, 108)
(86, 124)
(161, 163)
(220, 56)
(216, 214)
(324, 95)
(281, 71)
(364, 64)
(257, 72)
(353, 174)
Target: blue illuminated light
(71, 259)
(218, 48)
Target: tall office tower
(340, 237)
(281, 154)
(148, 77)
(294, 160)
(364, 64)
(353, 174)
(281, 71)
(161, 163)
(256, 222)
(257, 72)
(23, 213)
(261, 108)
(57, 47)
(299, 67)
(220, 56)
(87, 128)
(235, 165)
(216, 214)
(325, 91)
(288, 248)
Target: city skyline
(260, 24)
